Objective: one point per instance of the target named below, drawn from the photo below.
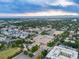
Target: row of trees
(74, 45)
(50, 44)
(30, 51)
(34, 48)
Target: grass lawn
(9, 52)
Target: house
(57, 33)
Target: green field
(8, 53)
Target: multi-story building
(62, 52)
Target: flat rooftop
(58, 32)
(44, 39)
(60, 52)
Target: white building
(2, 39)
(62, 52)
(15, 32)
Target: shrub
(30, 54)
(25, 52)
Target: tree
(65, 34)
(34, 48)
(2, 46)
(43, 33)
(77, 43)
(25, 52)
(74, 45)
(30, 54)
(17, 43)
(44, 53)
(50, 44)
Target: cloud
(45, 2)
(43, 13)
(38, 7)
(51, 2)
(63, 3)
(51, 13)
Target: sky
(38, 7)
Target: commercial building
(62, 52)
(43, 39)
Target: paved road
(22, 56)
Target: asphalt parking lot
(22, 56)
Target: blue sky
(39, 7)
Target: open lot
(7, 53)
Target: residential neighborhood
(39, 29)
(40, 41)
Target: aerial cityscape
(39, 29)
(39, 38)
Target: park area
(7, 54)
